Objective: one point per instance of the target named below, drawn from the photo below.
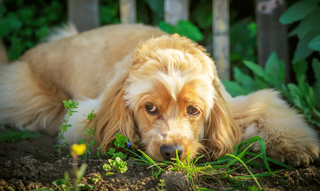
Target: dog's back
(32, 88)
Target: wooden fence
(272, 36)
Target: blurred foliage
(308, 32)
(24, 22)
(302, 94)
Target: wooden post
(221, 50)
(84, 14)
(176, 10)
(3, 52)
(128, 11)
(272, 35)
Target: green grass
(11, 135)
(219, 169)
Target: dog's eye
(193, 111)
(151, 108)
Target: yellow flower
(78, 149)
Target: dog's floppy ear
(221, 131)
(113, 116)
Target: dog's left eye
(151, 108)
(193, 111)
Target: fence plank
(221, 40)
(176, 10)
(84, 14)
(3, 52)
(128, 11)
(272, 35)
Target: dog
(160, 90)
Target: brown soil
(31, 164)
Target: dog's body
(163, 91)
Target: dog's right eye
(151, 108)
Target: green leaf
(167, 28)
(86, 187)
(314, 44)
(276, 70)
(303, 51)
(296, 94)
(253, 188)
(91, 115)
(316, 86)
(235, 89)
(157, 6)
(8, 24)
(256, 69)
(96, 178)
(106, 167)
(298, 11)
(17, 135)
(59, 183)
(64, 127)
(187, 29)
(111, 151)
(120, 155)
(244, 80)
(81, 171)
(307, 25)
(25, 14)
(300, 69)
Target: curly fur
(118, 69)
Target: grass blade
(247, 169)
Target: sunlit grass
(219, 169)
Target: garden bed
(33, 163)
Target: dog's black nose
(168, 152)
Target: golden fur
(120, 70)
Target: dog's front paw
(297, 152)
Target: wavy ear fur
(113, 116)
(221, 133)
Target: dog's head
(170, 97)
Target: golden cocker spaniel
(158, 89)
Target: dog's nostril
(168, 152)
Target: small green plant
(120, 142)
(161, 185)
(70, 106)
(89, 132)
(17, 135)
(96, 178)
(118, 163)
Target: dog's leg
(27, 102)
(288, 137)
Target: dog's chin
(190, 147)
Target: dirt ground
(30, 164)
